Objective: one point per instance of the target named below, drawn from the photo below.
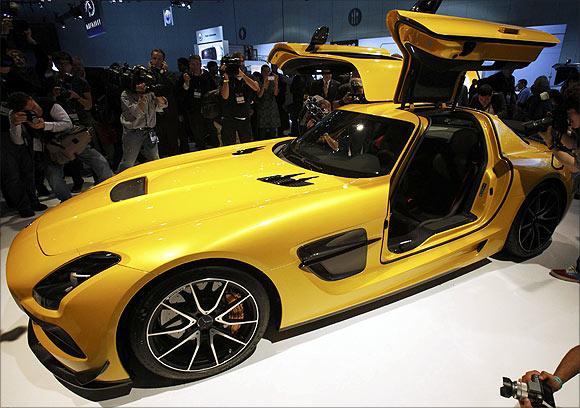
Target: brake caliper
(236, 313)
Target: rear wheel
(198, 323)
(538, 217)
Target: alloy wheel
(539, 220)
(202, 325)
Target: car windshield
(350, 144)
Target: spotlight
(182, 3)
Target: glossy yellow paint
(383, 70)
(210, 205)
(446, 37)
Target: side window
(438, 186)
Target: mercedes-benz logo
(89, 8)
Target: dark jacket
(536, 108)
(318, 89)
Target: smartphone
(271, 77)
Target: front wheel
(199, 322)
(538, 217)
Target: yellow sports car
(178, 267)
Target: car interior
(439, 184)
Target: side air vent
(247, 151)
(288, 181)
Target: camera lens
(508, 389)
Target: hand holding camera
(18, 118)
(38, 123)
(186, 78)
(532, 390)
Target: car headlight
(49, 292)
(129, 189)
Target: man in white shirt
(41, 121)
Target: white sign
(210, 35)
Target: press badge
(196, 94)
(240, 98)
(153, 137)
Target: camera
(127, 78)
(233, 65)
(559, 122)
(356, 89)
(65, 84)
(538, 392)
(30, 116)
(558, 119)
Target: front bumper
(77, 342)
(82, 383)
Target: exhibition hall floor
(449, 345)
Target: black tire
(175, 334)
(534, 224)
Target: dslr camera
(233, 65)
(356, 90)
(538, 392)
(127, 78)
(30, 116)
(559, 122)
(65, 85)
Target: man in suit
(327, 88)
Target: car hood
(184, 189)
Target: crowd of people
(500, 95)
(50, 98)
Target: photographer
(266, 106)
(73, 93)
(567, 369)
(17, 164)
(236, 90)
(193, 85)
(139, 108)
(567, 151)
(538, 104)
(350, 92)
(45, 120)
(168, 119)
